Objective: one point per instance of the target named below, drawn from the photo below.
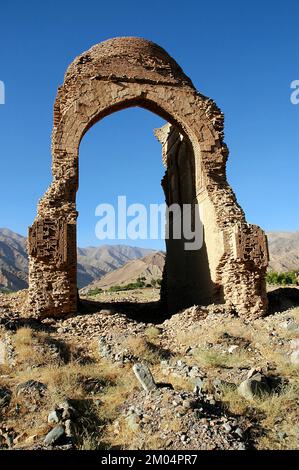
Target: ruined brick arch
(126, 72)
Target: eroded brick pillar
(53, 267)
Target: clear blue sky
(243, 54)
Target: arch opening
(178, 184)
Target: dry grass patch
(35, 349)
(25, 343)
(152, 333)
(111, 402)
(234, 402)
(27, 419)
(212, 358)
(89, 441)
(140, 347)
(288, 334)
(115, 395)
(120, 434)
(295, 313)
(281, 416)
(276, 413)
(203, 334)
(178, 382)
(27, 414)
(68, 380)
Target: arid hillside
(148, 268)
(13, 260)
(284, 250)
(93, 262)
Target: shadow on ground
(146, 312)
(282, 299)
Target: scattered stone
(9, 440)
(2, 352)
(254, 371)
(255, 386)
(7, 353)
(69, 428)
(199, 425)
(241, 446)
(181, 369)
(54, 435)
(233, 348)
(282, 435)
(7, 436)
(184, 438)
(291, 325)
(31, 387)
(294, 344)
(20, 437)
(154, 413)
(68, 411)
(144, 376)
(55, 416)
(295, 357)
(106, 312)
(194, 372)
(133, 421)
(227, 427)
(199, 383)
(239, 432)
(187, 403)
(5, 397)
(189, 350)
(103, 347)
(93, 385)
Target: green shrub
(156, 282)
(133, 285)
(5, 290)
(95, 291)
(140, 283)
(283, 279)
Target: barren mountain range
(93, 262)
(99, 266)
(13, 260)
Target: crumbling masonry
(120, 73)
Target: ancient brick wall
(111, 76)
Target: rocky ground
(204, 379)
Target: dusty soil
(87, 359)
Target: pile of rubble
(179, 420)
